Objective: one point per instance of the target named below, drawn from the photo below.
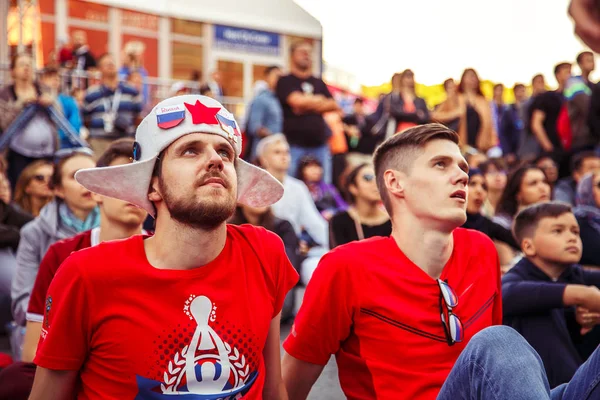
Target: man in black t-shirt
(544, 113)
(304, 99)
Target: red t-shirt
(134, 331)
(56, 254)
(379, 313)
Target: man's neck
(552, 269)
(114, 231)
(23, 85)
(427, 248)
(279, 175)
(300, 73)
(586, 76)
(111, 83)
(177, 246)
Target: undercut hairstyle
(400, 151)
(583, 54)
(579, 158)
(118, 148)
(526, 222)
(561, 66)
(270, 69)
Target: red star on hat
(202, 114)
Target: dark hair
(57, 175)
(579, 158)
(49, 71)
(518, 86)
(508, 202)
(583, 54)
(270, 69)
(15, 58)
(536, 77)
(497, 163)
(447, 82)
(394, 152)
(351, 179)
(560, 66)
(294, 46)
(118, 148)
(305, 162)
(461, 85)
(526, 222)
(267, 220)
(497, 85)
(204, 89)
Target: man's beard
(205, 214)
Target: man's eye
(190, 152)
(225, 154)
(440, 164)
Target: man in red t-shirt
(397, 311)
(193, 310)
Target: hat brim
(130, 183)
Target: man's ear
(395, 182)
(97, 198)
(528, 247)
(153, 192)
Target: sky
(506, 41)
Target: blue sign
(246, 40)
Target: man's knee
(499, 343)
(495, 335)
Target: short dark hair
(583, 54)
(518, 86)
(560, 66)
(497, 85)
(537, 76)
(398, 152)
(300, 42)
(270, 69)
(527, 220)
(118, 148)
(508, 203)
(579, 158)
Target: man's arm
(537, 127)
(53, 385)
(302, 103)
(299, 376)
(30, 342)
(274, 387)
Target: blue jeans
(499, 364)
(321, 153)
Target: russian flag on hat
(169, 117)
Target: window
(185, 58)
(183, 27)
(232, 76)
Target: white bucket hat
(169, 120)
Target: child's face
(557, 240)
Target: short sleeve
(539, 103)
(325, 318)
(325, 90)
(48, 267)
(285, 87)
(286, 276)
(66, 329)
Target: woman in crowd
(526, 185)
(33, 192)
(11, 221)
(365, 217)
(264, 217)
(407, 108)
(495, 176)
(38, 138)
(326, 197)
(451, 110)
(548, 165)
(475, 128)
(478, 193)
(72, 211)
(587, 213)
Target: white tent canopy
(281, 16)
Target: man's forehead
(203, 137)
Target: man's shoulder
(63, 248)
(252, 235)
(473, 241)
(106, 257)
(294, 183)
(350, 254)
(128, 89)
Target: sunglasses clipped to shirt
(453, 326)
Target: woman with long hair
(475, 128)
(325, 195)
(494, 172)
(33, 192)
(451, 110)
(365, 217)
(72, 211)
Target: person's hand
(586, 319)
(327, 214)
(46, 100)
(547, 146)
(586, 18)
(353, 131)
(303, 248)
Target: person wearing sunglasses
(365, 218)
(587, 213)
(72, 211)
(397, 311)
(32, 191)
(118, 220)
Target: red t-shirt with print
(379, 313)
(137, 332)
